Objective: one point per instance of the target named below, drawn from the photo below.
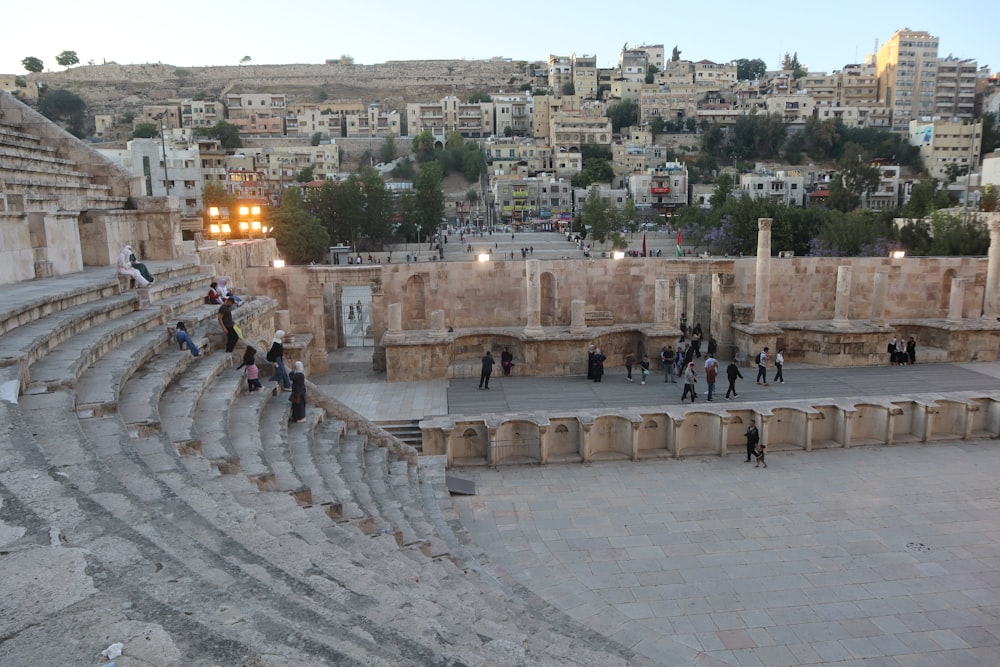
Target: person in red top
(214, 295)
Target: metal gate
(519, 450)
(356, 317)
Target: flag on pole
(680, 240)
(644, 244)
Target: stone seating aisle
(181, 549)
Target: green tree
(65, 108)
(568, 89)
(651, 71)
(750, 70)
(32, 64)
(724, 188)
(675, 55)
(479, 96)
(623, 114)
(244, 60)
(991, 135)
(860, 177)
(214, 193)
(429, 205)
(226, 133)
(346, 59)
(306, 175)
(841, 197)
(423, 146)
(315, 139)
(954, 235)
(67, 59)
(339, 207)
(145, 131)
(299, 235)
(388, 151)
(990, 199)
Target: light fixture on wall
(897, 254)
(483, 257)
(618, 254)
(278, 263)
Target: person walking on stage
(690, 378)
(732, 372)
(753, 437)
(762, 367)
(779, 363)
(484, 375)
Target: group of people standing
(902, 352)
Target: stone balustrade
(640, 433)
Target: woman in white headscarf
(127, 266)
(298, 395)
(276, 355)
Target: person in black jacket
(732, 372)
(753, 437)
(487, 371)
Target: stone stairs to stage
(150, 499)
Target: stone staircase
(149, 499)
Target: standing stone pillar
(843, 303)
(956, 303)
(661, 305)
(991, 295)
(678, 303)
(533, 280)
(395, 318)
(879, 292)
(578, 316)
(762, 295)
(437, 323)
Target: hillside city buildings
(533, 139)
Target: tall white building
(906, 66)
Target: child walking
(645, 367)
(252, 372)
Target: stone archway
(945, 298)
(416, 308)
(549, 300)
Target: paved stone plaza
(873, 555)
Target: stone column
(956, 303)
(762, 294)
(879, 292)
(533, 281)
(991, 295)
(661, 305)
(843, 303)
(678, 303)
(395, 318)
(578, 321)
(437, 323)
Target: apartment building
(473, 120)
(668, 104)
(164, 115)
(201, 113)
(373, 122)
(714, 75)
(655, 54)
(504, 154)
(560, 69)
(257, 114)
(955, 89)
(585, 75)
(944, 143)
(571, 131)
(213, 159)
(887, 194)
(628, 89)
(822, 87)
(519, 200)
(786, 187)
(794, 109)
(633, 64)
(327, 118)
(906, 66)
(857, 85)
(663, 187)
(181, 176)
(515, 111)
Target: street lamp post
(163, 145)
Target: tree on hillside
(388, 151)
(604, 221)
(623, 114)
(675, 56)
(479, 96)
(244, 60)
(67, 59)
(651, 73)
(32, 64)
(567, 89)
(214, 193)
(750, 70)
(65, 108)
(226, 133)
(346, 59)
(423, 146)
(299, 235)
(145, 131)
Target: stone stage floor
(868, 556)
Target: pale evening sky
(189, 34)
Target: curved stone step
(326, 447)
(405, 485)
(64, 365)
(178, 404)
(352, 447)
(376, 464)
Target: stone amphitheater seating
(157, 503)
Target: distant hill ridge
(116, 88)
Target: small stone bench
(598, 318)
